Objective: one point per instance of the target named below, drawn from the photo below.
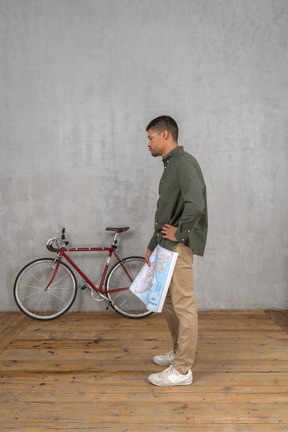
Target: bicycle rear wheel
(125, 302)
(31, 296)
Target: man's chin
(154, 154)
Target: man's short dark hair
(159, 124)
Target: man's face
(156, 143)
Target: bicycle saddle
(118, 230)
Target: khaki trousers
(180, 310)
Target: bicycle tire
(125, 302)
(32, 298)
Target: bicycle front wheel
(125, 302)
(31, 294)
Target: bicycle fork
(57, 262)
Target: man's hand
(168, 231)
(147, 256)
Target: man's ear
(165, 134)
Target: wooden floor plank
(127, 411)
(11, 325)
(88, 372)
(91, 393)
(148, 426)
(121, 382)
(280, 318)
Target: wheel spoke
(59, 280)
(55, 295)
(34, 277)
(33, 287)
(28, 296)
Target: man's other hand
(147, 256)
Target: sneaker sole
(159, 384)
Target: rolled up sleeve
(192, 194)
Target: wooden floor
(88, 372)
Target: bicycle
(46, 288)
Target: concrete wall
(80, 80)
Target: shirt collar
(172, 153)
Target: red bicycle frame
(111, 250)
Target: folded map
(152, 283)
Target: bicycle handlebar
(55, 244)
(51, 243)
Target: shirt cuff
(152, 244)
(181, 237)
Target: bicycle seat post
(115, 241)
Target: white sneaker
(164, 360)
(171, 377)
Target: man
(180, 225)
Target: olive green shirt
(182, 203)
